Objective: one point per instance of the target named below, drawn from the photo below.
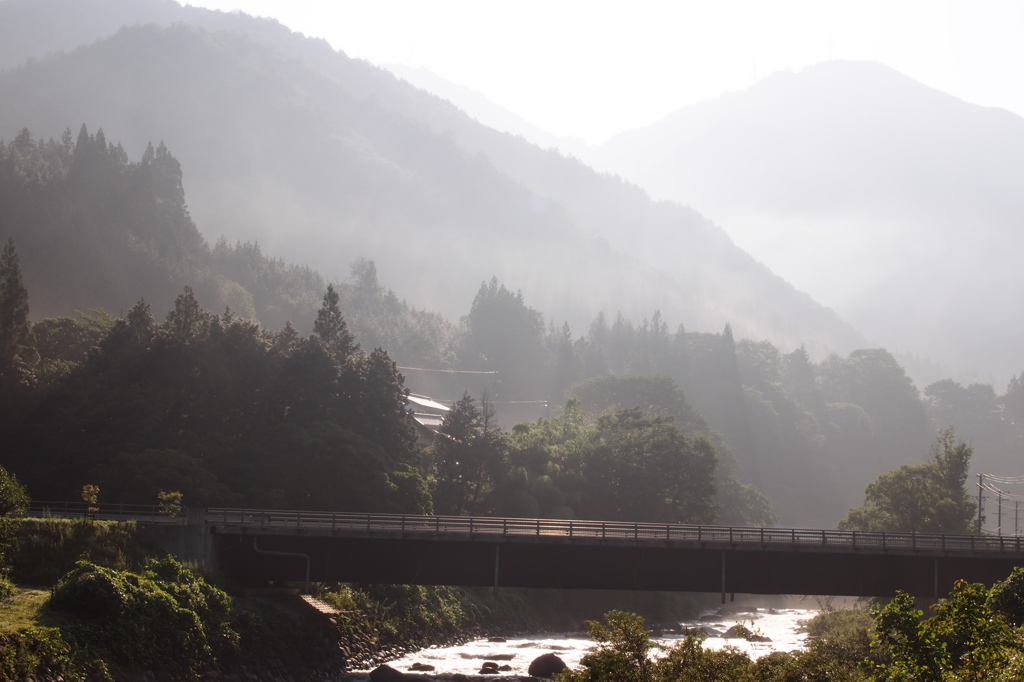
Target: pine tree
(17, 344)
(187, 322)
(331, 329)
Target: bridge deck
(349, 524)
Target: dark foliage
(225, 412)
(165, 618)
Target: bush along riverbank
(165, 622)
(377, 623)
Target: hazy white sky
(591, 68)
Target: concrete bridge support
(189, 542)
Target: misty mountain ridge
(807, 222)
(323, 158)
(487, 112)
(893, 202)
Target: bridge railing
(490, 526)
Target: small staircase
(320, 606)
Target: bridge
(255, 546)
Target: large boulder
(740, 631)
(546, 665)
(385, 673)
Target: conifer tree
(470, 457)
(17, 344)
(187, 322)
(331, 329)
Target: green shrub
(416, 608)
(192, 593)
(1006, 598)
(7, 588)
(35, 652)
(622, 654)
(133, 621)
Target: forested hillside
(96, 230)
(809, 435)
(222, 411)
(322, 158)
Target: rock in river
(546, 665)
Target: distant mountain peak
(863, 187)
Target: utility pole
(981, 483)
(1016, 515)
(999, 507)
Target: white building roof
(424, 401)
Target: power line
(1002, 493)
(1009, 480)
(449, 371)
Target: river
(781, 625)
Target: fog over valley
(798, 283)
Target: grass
(42, 550)
(27, 608)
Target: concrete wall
(190, 541)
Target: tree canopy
(225, 412)
(920, 498)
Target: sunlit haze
(703, 264)
(593, 69)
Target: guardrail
(489, 526)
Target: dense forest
(208, 403)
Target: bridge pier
(192, 542)
(732, 595)
(497, 558)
